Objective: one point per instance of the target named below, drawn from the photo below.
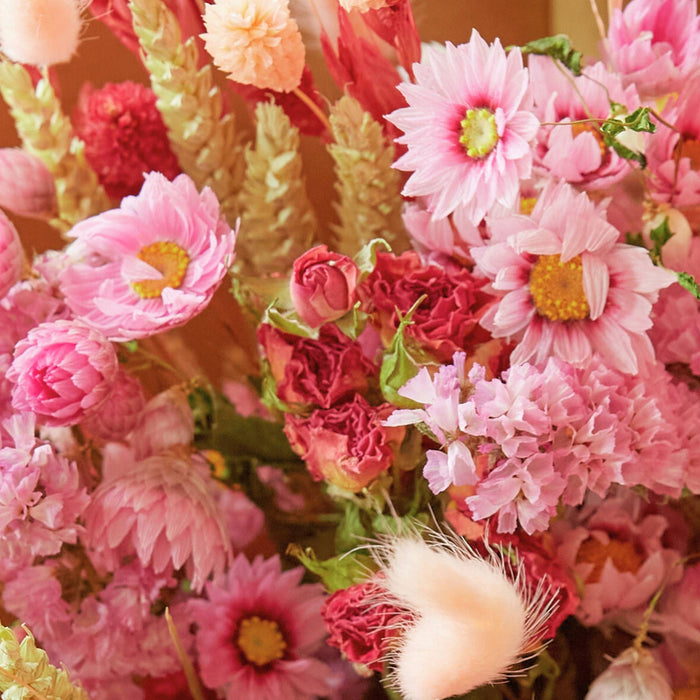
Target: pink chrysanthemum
(162, 511)
(654, 44)
(257, 630)
(62, 371)
(467, 127)
(150, 265)
(569, 287)
(124, 136)
(256, 42)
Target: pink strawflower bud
(163, 511)
(11, 254)
(256, 42)
(39, 32)
(27, 187)
(633, 675)
(166, 421)
(322, 286)
(119, 415)
(62, 371)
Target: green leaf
(639, 120)
(687, 281)
(558, 47)
(288, 322)
(659, 236)
(337, 572)
(351, 530)
(547, 669)
(366, 257)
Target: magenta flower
(62, 371)
(11, 255)
(467, 126)
(257, 631)
(162, 511)
(150, 265)
(569, 288)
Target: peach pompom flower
(256, 42)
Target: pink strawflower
(27, 187)
(150, 265)
(467, 126)
(257, 630)
(162, 511)
(62, 371)
(41, 496)
(577, 153)
(124, 136)
(257, 42)
(11, 255)
(119, 413)
(654, 44)
(569, 288)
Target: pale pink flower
(569, 288)
(243, 519)
(27, 187)
(467, 126)
(654, 44)
(257, 630)
(161, 510)
(633, 675)
(616, 548)
(166, 421)
(11, 255)
(276, 480)
(150, 265)
(62, 371)
(576, 152)
(256, 42)
(246, 401)
(119, 413)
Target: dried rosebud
(27, 187)
(11, 255)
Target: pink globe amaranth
(11, 255)
(62, 371)
(27, 187)
(322, 286)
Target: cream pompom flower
(256, 42)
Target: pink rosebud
(11, 254)
(62, 371)
(118, 416)
(166, 421)
(27, 187)
(322, 285)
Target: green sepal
(337, 572)
(353, 323)
(288, 322)
(659, 236)
(687, 281)
(366, 257)
(557, 47)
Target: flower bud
(166, 421)
(11, 255)
(27, 187)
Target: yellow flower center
(527, 204)
(260, 640)
(577, 129)
(479, 134)
(556, 288)
(625, 556)
(170, 260)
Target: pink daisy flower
(467, 128)
(569, 288)
(150, 265)
(257, 630)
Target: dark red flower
(448, 318)
(124, 136)
(360, 626)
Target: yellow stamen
(625, 556)
(556, 288)
(527, 204)
(170, 260)
(260, 640)
(479, 134)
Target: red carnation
(448, 318)
(321, 372)
(124, 136)
(360, 626)
(348, 444)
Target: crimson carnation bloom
(348, 444)
(124, 136)
(308, 371)
(446, 321)
(361, 627)
(257, 631)
(62, 371)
